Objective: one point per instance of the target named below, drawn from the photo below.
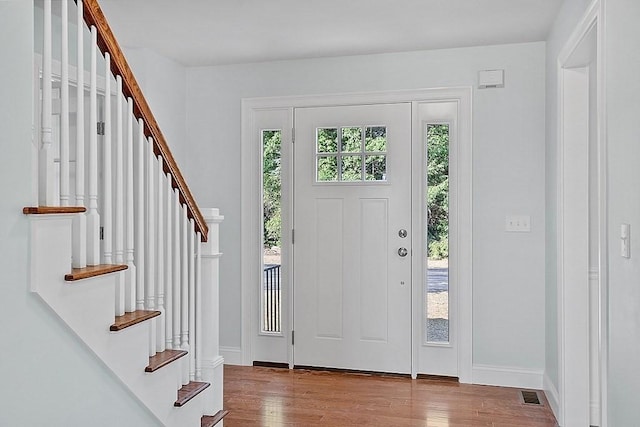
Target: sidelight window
(437, 204)
(270, 287)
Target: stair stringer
(87, 307)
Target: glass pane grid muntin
(343, 142)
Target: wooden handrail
(107, 43)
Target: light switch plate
(625, 240)
(518, 224)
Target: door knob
(403, 252)
(402, 233)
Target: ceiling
(216, 32)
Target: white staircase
(86, 306)
(119, 250)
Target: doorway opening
(355, 161)
(582, 229)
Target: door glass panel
(270, 293)
(376, 139)
(327, 140)
(376, 168)
(351, 168)
(351, 140)
(437, 203)
(354, 159)
(327, 168)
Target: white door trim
(250, 203)
(569, 313)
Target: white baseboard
(213, 363)
(231, 355)
(553, 396)
(507, 376)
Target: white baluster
(79, 247)
(64, 108)
(160, 330)
(192, 300)
(150, 274)
(93, 218)
(130, 273)
(107, 211)
(168, 265)
(140, 211)
(118, 228)
(119, 188)
(177, 263)
(198, 309)
(184, 298)
(46, 175)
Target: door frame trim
(250, 205)
(451, 114)
(569, 316)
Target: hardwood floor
(257, 396)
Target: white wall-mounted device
(490, 79)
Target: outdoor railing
(271, 299)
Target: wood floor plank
(258, 396)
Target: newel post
(210, 345)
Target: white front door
(352, 250)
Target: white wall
(623, 124)
(163, 83)
(568, 17)
(47, 374)
(509, 131)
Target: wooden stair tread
(93, 271)
(46, 210)
(211, 420)
(132, 318)
(163, 359)
(189, 391)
